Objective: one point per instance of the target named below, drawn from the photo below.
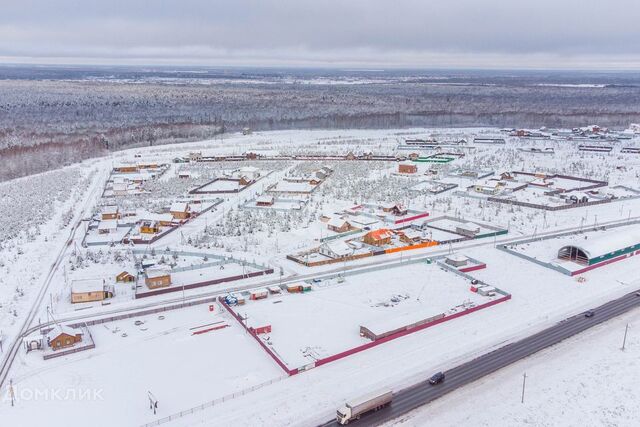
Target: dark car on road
(436, 378)
(589, 313)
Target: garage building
(602, 248)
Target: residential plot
(313, 325)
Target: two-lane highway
(420, 394)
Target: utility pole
(524, 382)
(12, 393)
(624, 340)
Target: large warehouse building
(603, 248)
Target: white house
(337, 249)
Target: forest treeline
(46, 124)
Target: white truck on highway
(355, 408)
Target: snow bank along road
(423, 393)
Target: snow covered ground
(585, 381)
(327, 320)
(184, 370)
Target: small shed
(456, 260)
(265, 329)
(265, 200)
(468, 229)
(259, 294)
(125, 277)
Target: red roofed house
(378, 237)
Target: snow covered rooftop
(609, 242)
(179, 207)
(337, 222)
(110, 210)
(339, 248)
(469, 226)
(87, 285)
(108, 224)
(457, 258)
(157, 271)
(265, 198)
(62, 329)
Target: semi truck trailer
(355, 408)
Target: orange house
(378, 237)
(63, 336)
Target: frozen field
(327, 320)
(161, 356)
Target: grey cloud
(400, 32)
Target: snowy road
(423, 393)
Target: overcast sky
(596, 34)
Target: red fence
(255, 336)
(371, 344)
(201, 284)
(412, 218)
(362, 347)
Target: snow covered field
(161, 356)
(327, 320)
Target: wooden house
(157, 277)
(149, 227)
(110, 212)
(89, 290)
(410, 236)
(378, 237)
(339, 225)
(399, 210)
(63, 337)
(180, 210)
